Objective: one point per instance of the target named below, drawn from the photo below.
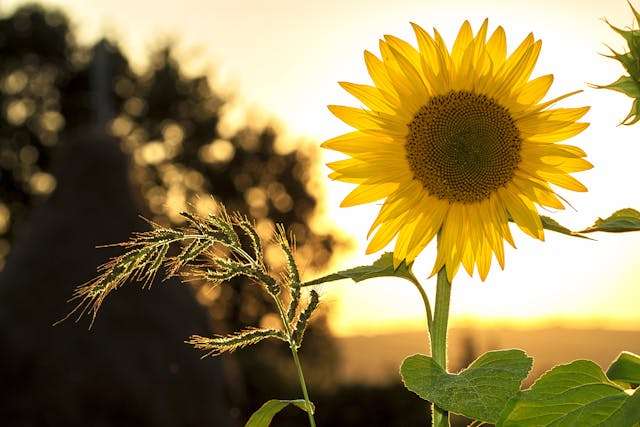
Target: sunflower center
(463, 146)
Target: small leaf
(263, 416)
(619, 222)
(553, 225)
(625, 368)
(480, 392)
(382, 267)
(576, 394)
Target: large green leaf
(619, 222)
(382, 267)
(625, 368)
(627, 415)
(481, 391)
(263, 416)
(576, 394)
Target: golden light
(291, 70)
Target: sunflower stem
(440, 417)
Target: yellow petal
(497, 47)
(380, 78)
(386, 233)
(364, 120)
(370, 96)
(359, 142)
(523, 212)
(564, 181)
(561, 134)
(418, 88)
(465, 35)
(404, 199)
(368, 193)
(402, 243)
(434, 212)
(535, 90)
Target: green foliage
(382, 267)
(263, 416)
(549, 223)
(619, 222)
(630, 60)
(481, 391)
(626, 368)
(576, 394)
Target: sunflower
(458, 144)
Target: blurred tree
(133, 368)
(36, 50)
(168, 124)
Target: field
(375, 359)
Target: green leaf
(625, 368)
(263, 416)
(627, 415)
(553, 225)
(480, 392)
(619, 222)
(576, 394)
(382, 267)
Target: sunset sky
(284, 57)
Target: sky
(284, 58)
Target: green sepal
(625, 84)
(479, 392)
(263, 416)
(630, 60)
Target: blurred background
(110, 110)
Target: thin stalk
(296, 360)
(425, 301)
(439, 337)
(303, 385)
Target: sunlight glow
(286, 57)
